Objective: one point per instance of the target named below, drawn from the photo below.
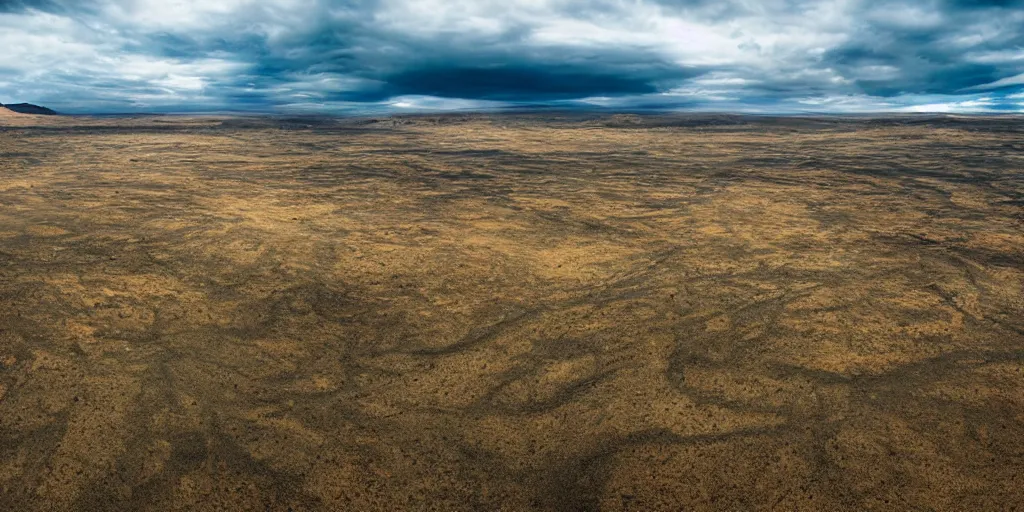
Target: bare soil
(548, 312)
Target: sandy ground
(9, 118)
(511, 312)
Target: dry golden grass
(511, 312)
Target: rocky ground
(553, 312)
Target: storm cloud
(370, 55)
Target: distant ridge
(28, 108)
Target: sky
(340, 56)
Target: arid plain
(511, 312)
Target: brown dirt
(481, 313)
(10, 118)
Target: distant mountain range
(28, 108)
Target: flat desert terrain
(511, 312)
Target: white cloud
(182, 15)
(967, 106)
(1003, 82)
(427, 103)
(773, 51)
(69, 56)
(996, 56)
(904, 15)
(845, 104)
(690, 38)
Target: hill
(28, 108)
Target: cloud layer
(370, 55)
